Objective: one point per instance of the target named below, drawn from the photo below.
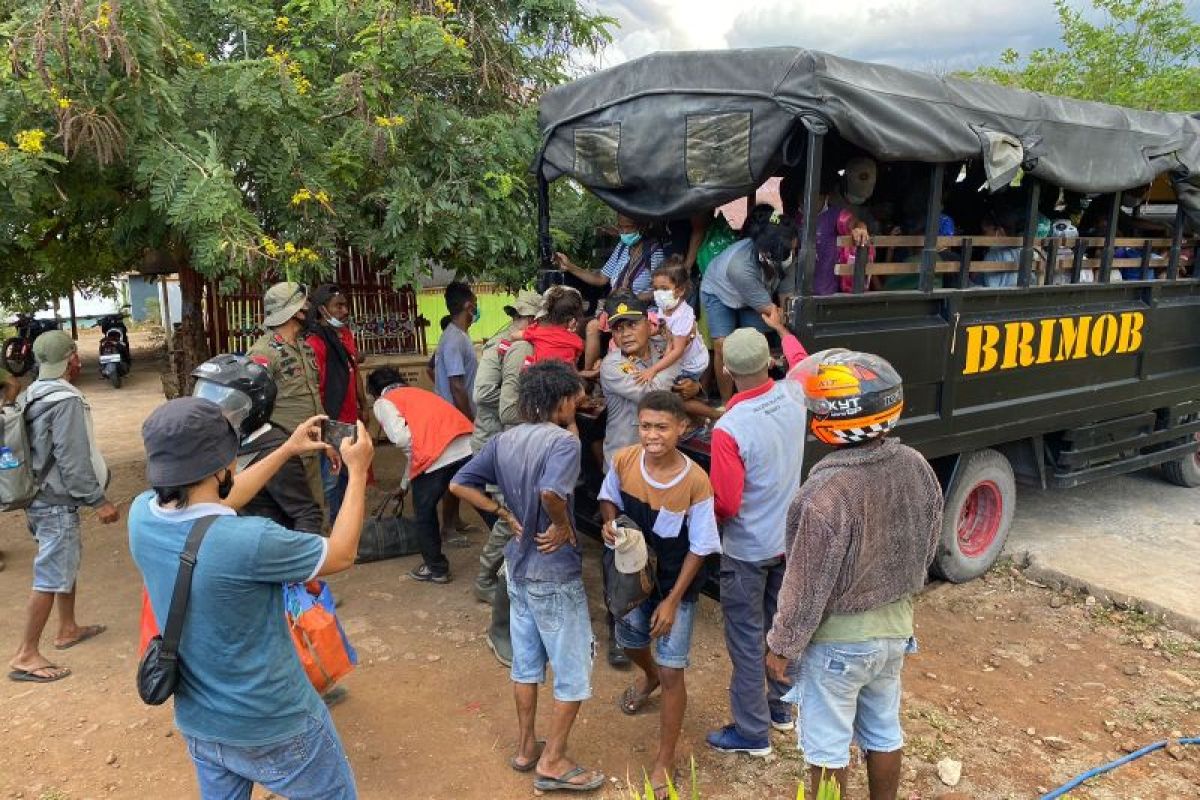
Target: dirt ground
(1024, 686)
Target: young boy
(670, 499)
(861, 534)
(536, 466)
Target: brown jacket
(861, 533)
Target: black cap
(624, 305)
(187, 440)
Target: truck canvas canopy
(671, 134)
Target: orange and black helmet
(851, 397)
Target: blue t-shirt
(455, 357)
(524, 462)
(241, 681)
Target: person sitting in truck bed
(1001, 220)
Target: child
(677, 322)
(670, 499)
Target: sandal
(632, 701)
(563, 782)
(85, 633)
(528, 767)
(32, 676)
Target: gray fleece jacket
(61, 436)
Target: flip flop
(30, 676)
(89, 632)
(517, 766)
(632, 701)
(563, 782)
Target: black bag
(625, 591)
(158, 671)
(387, 535)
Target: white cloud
(929, 34)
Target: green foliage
(1142, 54)
(242, 135)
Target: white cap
(861, 173)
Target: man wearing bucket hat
(65, 457)
(293, 367)
(244, 704)
(669, 498)
(757, 457)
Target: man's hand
(108, 513)
(564, 262)
(777, 667)
(687, 389)
(554, 537)
(645, 376)
(357, 455)
(609, 532)
(307, 438)
(510, 519)
(860, 235)
(773, 316)
(664, 618)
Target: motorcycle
(18, 350)
(115, 358)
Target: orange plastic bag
(323, 650)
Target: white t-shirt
(682, 324)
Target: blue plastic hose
(1080, 779)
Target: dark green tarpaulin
(672, 133)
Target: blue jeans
(549, 624)
(670, 651)
(60, 547)
(850, 691)
(723, 320)
(311, 766)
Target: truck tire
(1184, 471)
(979, 510)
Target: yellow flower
(301, 196)
(104, 16)
(31, 141)
(289, 248)
(322, 197)
(270, 49)
(444, 6)
(64, 103)
(460, 43)
(394, 121)
(199, 59)
(282, 24)
(3, 146)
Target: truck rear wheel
(1184, 471)
(979, 510)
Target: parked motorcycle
(115, 358)
(18, 350)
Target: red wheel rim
(979, 519)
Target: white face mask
(337, 323)
(665, 299)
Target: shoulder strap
(183, 585)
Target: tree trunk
(189, 346)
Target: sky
(932, 35)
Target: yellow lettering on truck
(1011, 345)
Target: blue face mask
(630, 239)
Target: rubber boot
(498, 639)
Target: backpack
(18, 485)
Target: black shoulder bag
(158, 671)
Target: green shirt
(893, 621)
(293, 367)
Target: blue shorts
(60, 547)
(670, 651)
(850, 691)
(549, 623)
(723, 320)
(311, 764)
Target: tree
(1140, 54)
(239, 136)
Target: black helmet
(242, 388)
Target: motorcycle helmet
(851, 397)
(243, 389)
(1063, 229)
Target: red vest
(432, 422)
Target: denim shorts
(309, 766)
(723, 320)
(670, 651)
(850, 691)
(60, 547)
(549, 624)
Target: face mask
(225, 484)
(665, 299)
(337, 323)
(475, 317)
(630, 239)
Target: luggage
(387, 535)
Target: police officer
(293, 366)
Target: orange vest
(432, 422)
